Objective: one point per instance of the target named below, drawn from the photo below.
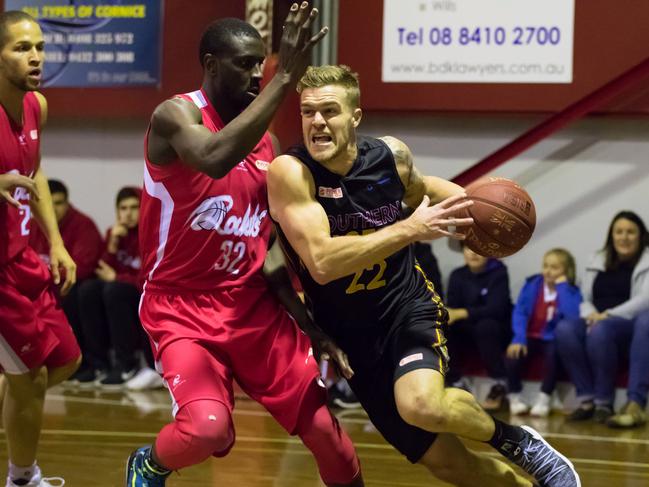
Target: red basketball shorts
(203, 341)
(33, 328)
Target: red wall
(183, 24)
(610, 38)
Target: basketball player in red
(204, 232)
(338, 200)
(37, 346)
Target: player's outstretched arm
(176, 124)
(276, 273)
(291, 195)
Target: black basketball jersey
(365, 200)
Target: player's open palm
(431, 222)
(297, 41)
(9, 182)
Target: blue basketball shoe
(141, 473)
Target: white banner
(478, 41)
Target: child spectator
(545, 299)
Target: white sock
(23, 473)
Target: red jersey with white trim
(198, 233)
(19, 154)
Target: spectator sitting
(84, 243)
(479, 307)
(545, 299)
(614, 321)
(109, 303)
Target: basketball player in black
(337, 199)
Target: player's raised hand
(9, 182)
(60, 258)
(431, 222)
(297, 40)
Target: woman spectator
(545, 299)
(614, 322)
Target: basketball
(503, 215)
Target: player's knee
(72, 366)
(207, 426)
(422, 409)
(56, 375)
(29, 385)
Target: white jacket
(636, 304)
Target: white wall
(578, 178)
(94, 160)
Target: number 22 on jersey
(375, 272)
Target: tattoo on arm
(410, 176)
(402, 158)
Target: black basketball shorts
(414, 345)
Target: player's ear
(210, 64)
(357, 116)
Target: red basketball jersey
(19, 153)
(201, 234)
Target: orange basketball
(503, 215)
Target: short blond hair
(567, 260)
(340, 75)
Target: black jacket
(483, 295)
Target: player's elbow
(321, 277)
(322, 272)
(206, 165)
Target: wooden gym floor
(88, 435)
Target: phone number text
(480, 36)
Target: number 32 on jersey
(369, 278)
